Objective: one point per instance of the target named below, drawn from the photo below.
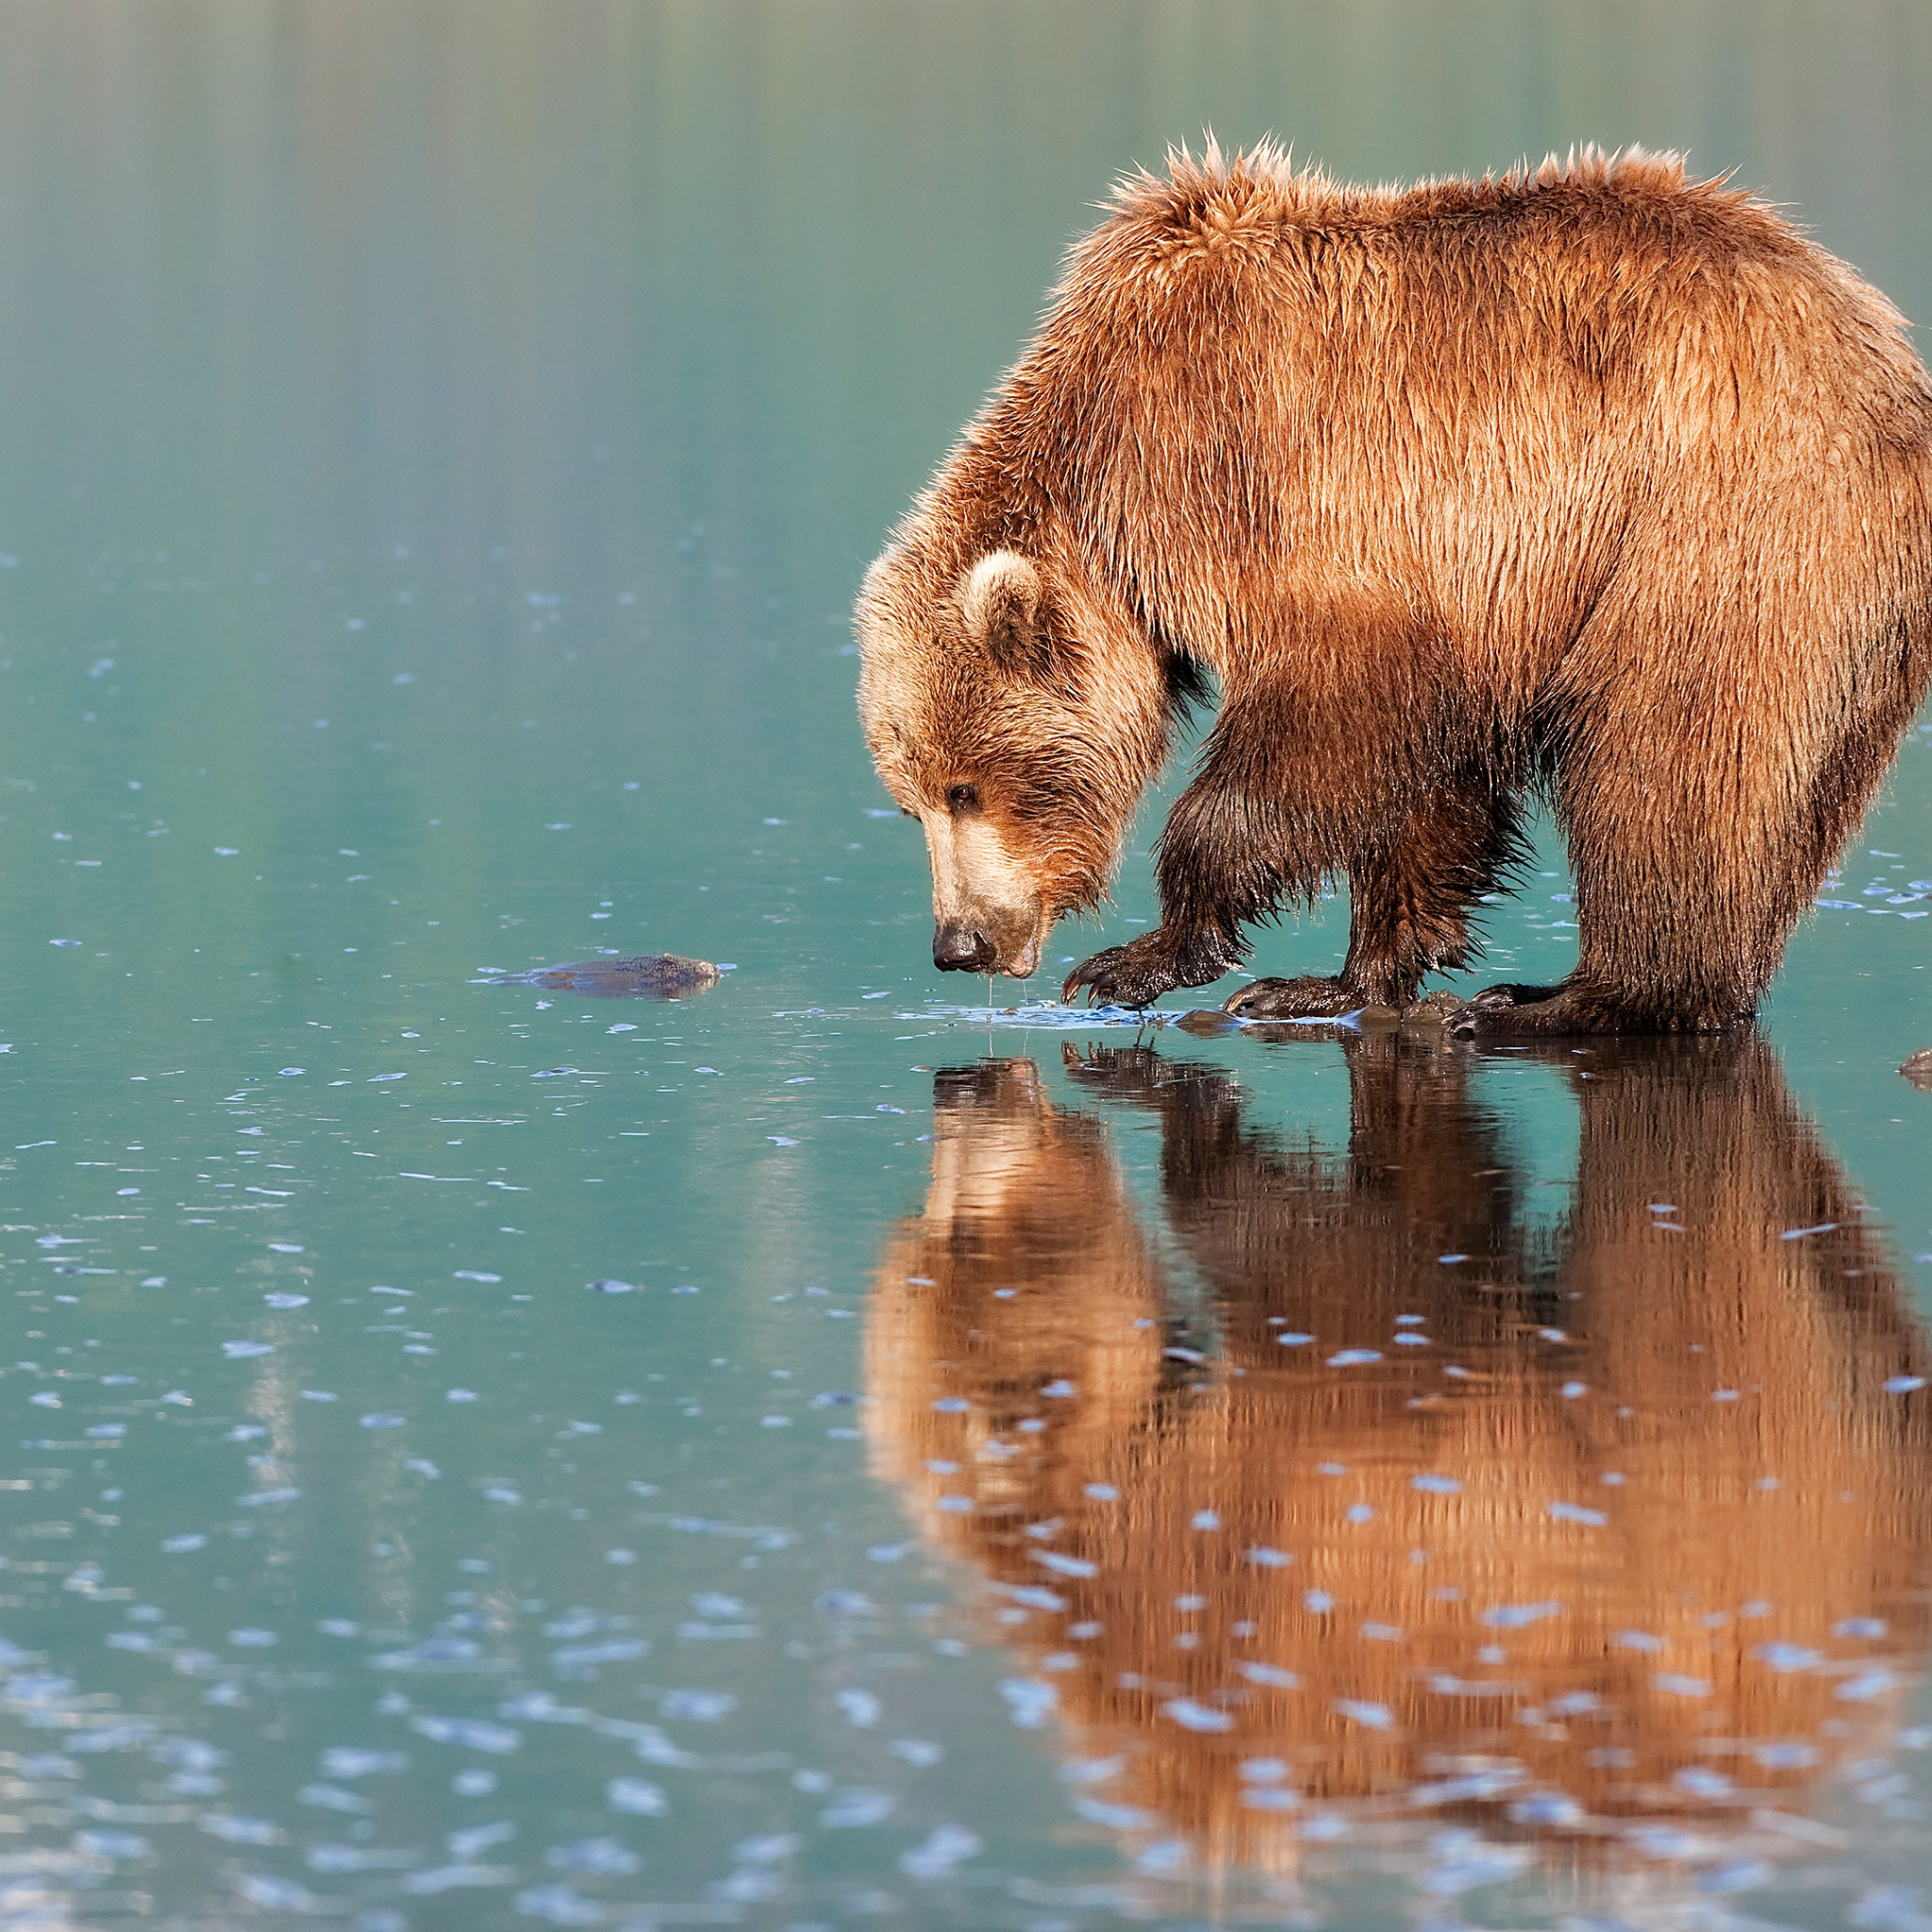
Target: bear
(1252, 1478)
(1589, 484)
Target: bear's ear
(1003, 603)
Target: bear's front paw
(1135, 975)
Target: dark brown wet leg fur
(1410, 893)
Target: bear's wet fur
(1589, 483)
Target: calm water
(482, 1455)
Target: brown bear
(1349, 1477)
(1591, 483)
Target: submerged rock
(1918, 1070)
(650, 975)
(1438, 1010)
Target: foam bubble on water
(1577, 1513)
(1866, 1688)
(275, 1894)
(943, 1847)
(1476, 1865)
(1065, 1566)
(450, 1877)
(470, 1734)
(115, 1846)
(852, 1809)
(1788, 1657)
(1375, 1717)
(242, 1831)
(1271, 1674)
(1519, 1616)
(698, 1706)
(1193, 1716)
(1029, 1701)
(859, 1708)
(1673, 1684)
(637, 1797)
(1049, 1016)
(604, 1856)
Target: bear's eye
(962, 798)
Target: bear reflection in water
(1587, 1525)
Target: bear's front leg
(1137, 973)
(1249, 828)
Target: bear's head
(1018, 719)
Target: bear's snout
(960, 948)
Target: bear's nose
(960, 949)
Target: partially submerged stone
(1918, 1070)
(650, 975)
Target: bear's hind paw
(1502, 1012)
(1307, 998)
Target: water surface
(814, 1453)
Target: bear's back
(1602, 270)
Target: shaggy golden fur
(1709, 1632)
(1590, 482)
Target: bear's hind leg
(1694, 856)
(1411, 897)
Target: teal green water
(438, 446)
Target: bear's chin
(1025, 963)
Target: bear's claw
(1121, 976)
(1137, 973)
